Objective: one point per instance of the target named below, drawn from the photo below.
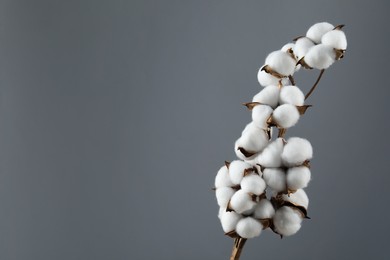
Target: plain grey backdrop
(116, 115)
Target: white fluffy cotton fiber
(260, 115)
(264, 210)
(336, 39)
(253, 184)
(268, 96)
(298, 177)
(281, 62)
(296, 151)
(275, 178)
(241, 202)
(222, 179)
(271, 155)
(249, 227)
(298, 198)
(286, 115)
(223, 195)
(320, 56)
(229, 220)
(237, 169)
(291, 95)
(287, 221)
(317, 30)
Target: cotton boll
(223, 195)
(266, 79)
(260, 115)
(253, 184)
(271, 155)
(229, 220)
(236, 171)
(302, 46)
(281, 62)
(298, 198)
(264, 210)
(320, 56)
(298, 177)
(317, 30)
(287, 221)
(268, 96)
(249, 227)
(296, 151)
(291, 95)
(286, 115)
(288, 46)
(275, 178)
(336, 39)
(253, 140)
(241, 201)
(223, 179)
(220, 212)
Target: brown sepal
(306, 164)
(267, 69)
(302, 109)
(227, 164)
(228, 208)
(251, 105)
(339, 54)
(236, 187)
(339, 27)
(245, 152)
(303, 64)
(232, 234)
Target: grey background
(116, 115)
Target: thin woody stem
(315, 84)
(237, 248)
(291, 78)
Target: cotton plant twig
(279, 165)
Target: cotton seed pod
(271, 155)
(302, 46)
(237, 170)
(298, 198)
(275, 178)
(268, 96)
(286, 115)
(252, 140)
(287, 221)
(223, 195)
(222, 179)
(298, 177)
(335, 39)
(320, 57)
(264, 210)
(317, 30)
(266, 79)
(281, 62)
(296, 151)
(249, 228)
(260, 115)
(241, 201)
(253, 184)
(291, 95)
(229, 220)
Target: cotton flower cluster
(264, 187)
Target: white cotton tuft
(288, 46)
(220, 212)
(275, 178)
(237, 169)
(296, 151)
(320, 56)
(266, 79)
(336, 39)
(241, 201)
(253, 184)
(229, 220)
(291, 95)
(298, 177)
(253, 140)
(281, 62)
(286, 115)
(264, 210)
(298, 198)
(260, 115)
(302, 46)
(223, 195)
(271, 155)
(317, 30)
(287, 221)
(268, 96)
(249, 227)
(223, 179)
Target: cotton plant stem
(237, 248)
(315, 84)
(291, 78)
